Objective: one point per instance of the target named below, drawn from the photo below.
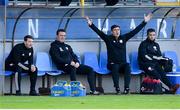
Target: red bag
(151, 86)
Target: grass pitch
(92, 102)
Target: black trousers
(116, 69)
(18, 71)
(155, 71)
(82, 69)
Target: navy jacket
(62, 54)
(19, 55)
(116, 49)
(148, 48)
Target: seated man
(149, 57)
(65, 59)
(20, 60)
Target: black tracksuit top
(150, 48)
(20, 54)
(62, 54)
(116, 49)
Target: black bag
(167, 65)
(151, 86)
(44, 91)
(111, 2)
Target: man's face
(28, 43)
(61, 36)
(152, 36)
(116, 32)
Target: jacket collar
(150, 41)
(59, 43)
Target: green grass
(92, 102)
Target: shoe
(167, 92)
(174, 88)
(94, 93)
(33, 93)
(126, 91)
(18, 93)
(117, 90)
(100, 90)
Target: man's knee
(115, 68)
(127, 68)
(153, 73)
(35, 72)
(18, 69)
(69, 68)
(88, 69)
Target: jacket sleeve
(131, 34)
(30, 59)
(17, 58)
(74, 56)
(55, 54)
(100, 33)
(159, 50)
(143, 54)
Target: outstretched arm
(138, 28)
(95, 29)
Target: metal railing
(76, 2)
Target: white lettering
(163, 27)
(33, 29)
(105, 29)
(132, 25)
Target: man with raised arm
(116, 51)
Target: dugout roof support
(94, 12)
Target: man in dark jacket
(116, 51)
(20, 60)
(150, 57)
(65, 59)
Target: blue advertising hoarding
(78, 28)
(3, 2)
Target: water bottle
(174, 67)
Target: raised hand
(148, 17)
(76, 65)
(72, 63)
(33, 68)
(89, 21)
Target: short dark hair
(114, 26)
(28, 37)
(150, 30)
(60, 30)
